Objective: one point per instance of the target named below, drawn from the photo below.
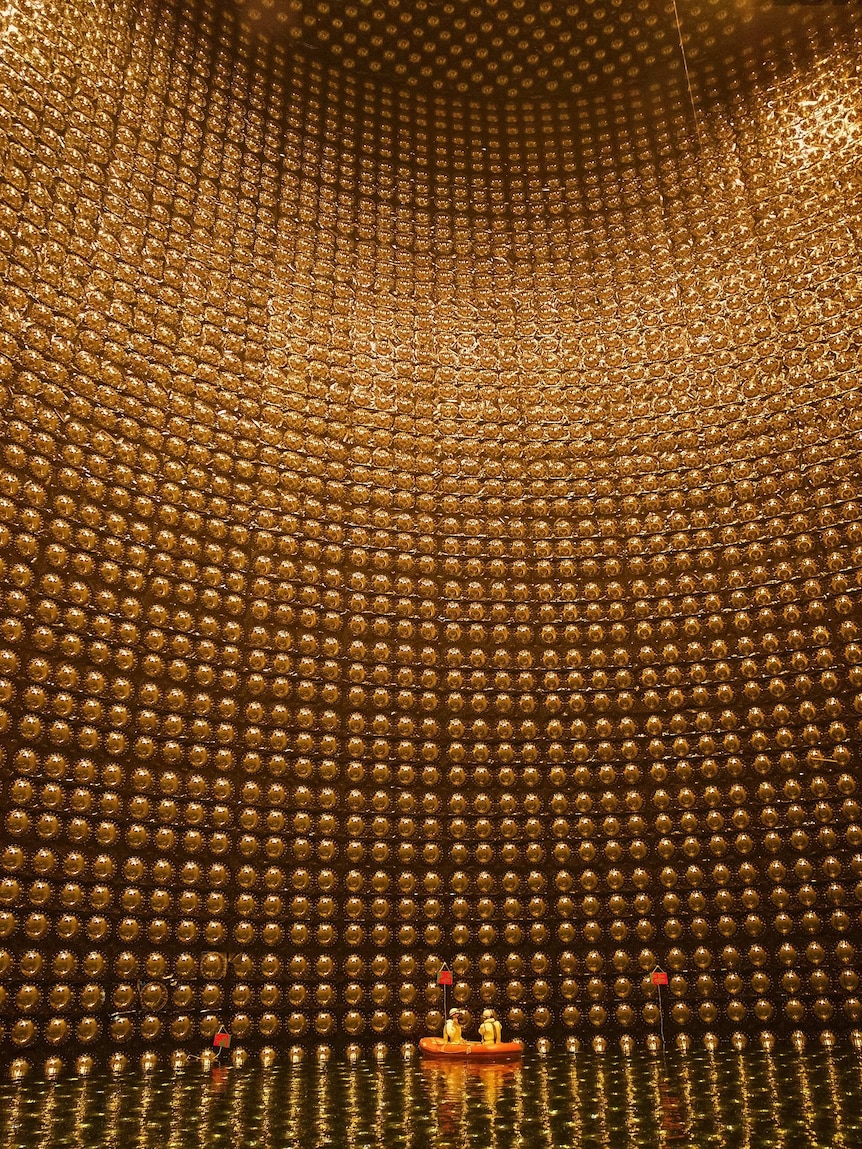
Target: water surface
(701, 1100)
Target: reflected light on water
(632, 1118)
(545, 1136)
(268, 1106)
(713, 1092)
(835, 1095)
(574, 1094)
(745, 1110)
(806, 1101)
(323, 1106)
(352, 1111)
(178, 1102)
(721, 1100)
(673, 1125)
(408, 1102)
(80, 1107)
(295, 1088)
(458, 1094)
(772, 1094)
(146, 1132)
(114, 1103)
(381, 1105)
(601, 1104)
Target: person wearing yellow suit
(490, 1030)
(452, 1029)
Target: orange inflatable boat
(470, 1050)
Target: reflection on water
(732, 1100)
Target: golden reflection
(713, 1089)
(434, 1084)
(48, 1111)
(744, 1095)
(322, 1103)
(598, 1106)
(836, 1095)
(146, 1128)
(380, 1093)
(12, 1117)
(683, 1077)
(267, 1107)
(574, 1099)
(243, 1103)
(211, 1088)
(633, 1118)
(494, 1079)
(822, 125)
(80, 1107)
(452, 1104)
(544, 1131)
(671, 1118)
(519, 1123)
(491, 1091)
(750, 1098)
(805, 1098)
(113, 1109)
(856, 1079)
(353, 1110)
(449, 1086)
(409, 1082)
(178, 1119)
(773, 1100)
(295, 1097)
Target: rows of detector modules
(157, 867)
(256, 218)
(503, 53)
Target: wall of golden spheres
(430, 530)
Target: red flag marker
(659, 977)
(444, 978)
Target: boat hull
(470, 1050)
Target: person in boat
(490, 1030)
(452, 1029)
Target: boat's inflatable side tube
(470, 1050)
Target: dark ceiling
(513, 47)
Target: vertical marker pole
(444, 978)
(659, 978)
